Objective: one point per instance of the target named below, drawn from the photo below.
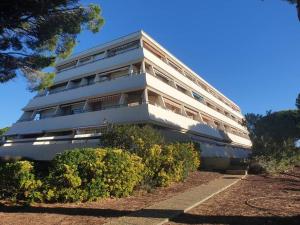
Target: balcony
(103, 64)
(171, 91)
(115, 114)
(97, 89)
(178, 75)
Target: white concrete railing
(240, 140)
(104, 64)
(115, 115)
(164, 116)
(118, 85)
(135, 114)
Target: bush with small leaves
(164, 163)
(89, 174)
(19, 183)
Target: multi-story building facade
(132, 79)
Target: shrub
(275, 157)
(88, 174)
(277, 163)
(18, 182)
(177, 161)
(164, 163)
(133, 138)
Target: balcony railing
(77, 86)
(77, 112)
(109, 54)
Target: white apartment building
(130, 80)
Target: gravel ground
(96, 212)
(253, 201)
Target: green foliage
(279, 126)
(164, 163)
(132, 157)
(273, 137)
(279, 162)
(133, 138)
(35, 33)
(88, 174)
(18, 182)
(3, 130)
(176, 162)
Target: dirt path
(253, 201)
(96, 212)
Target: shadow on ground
(185, 218)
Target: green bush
(88, 174)
(19, 183)
(132, 156)
(276, 163)
(176, 162)
(274, 157)
(164, 163)
(131, 137)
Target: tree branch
(14, 53)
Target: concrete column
(183, 111)
(161, 101)
(152, 70)
(143, 67)
(85, 106)
(130, 70)
(145, 96)
(172, 83)
(123, 98)
(199, 116)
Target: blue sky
(249, 49)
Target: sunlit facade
(130, 80)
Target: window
(172, 106)
(123, 48)
(75, 83)
(90, 79)
(174, 65)
(181, 89)
(161, 76)
(66, 66)
(103, 78)
(37, 116)
(153, 50)
(98, 56)
(57, 88)
(85, 59)
(198, 97)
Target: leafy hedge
(164, 163)
(87, 174)
(76, 175)
(18, 182)
(131, 156)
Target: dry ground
(96, 212)
(253, 201)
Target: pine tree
(34, 33)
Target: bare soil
(255, 200)
(96, 212)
